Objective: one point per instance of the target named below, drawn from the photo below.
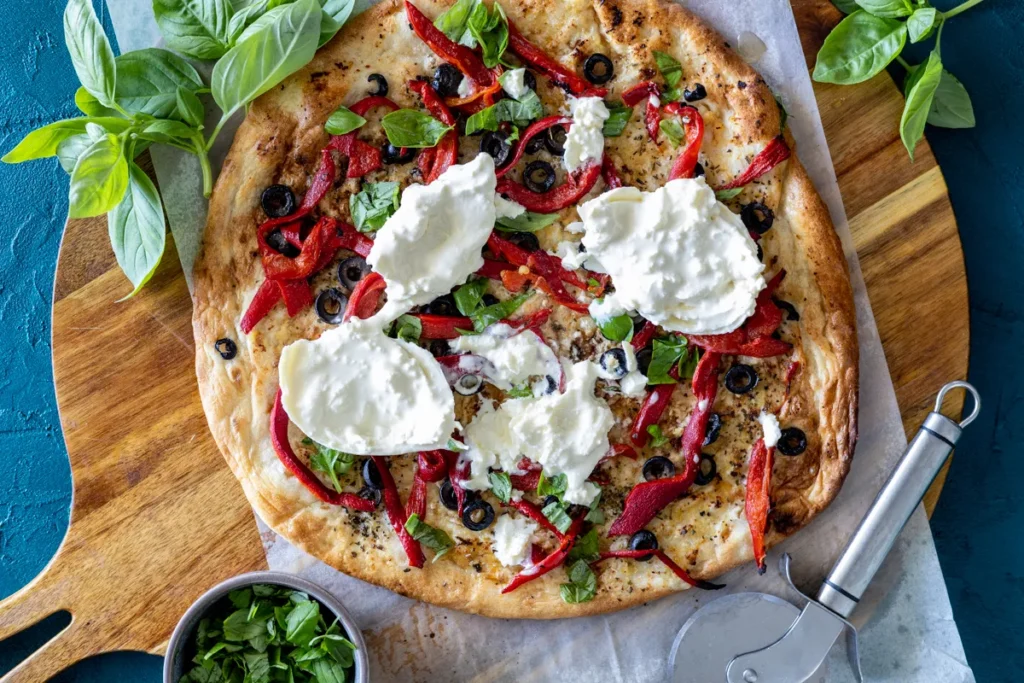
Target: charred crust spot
(647, 73)
(616, 17)
(742, 85)
(638, 20)
(317, 74)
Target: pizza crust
(280, 141)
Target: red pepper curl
(645, 335)
(365, 297)
(550, 562)
(771, 156)
(758, 501)
(533, 55)
(580, 182)
(396, 512)
(666, 560)
(686, 163)
(652, 116)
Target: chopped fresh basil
(488, 315)
(342, 121)
(657, 438)
(454, 22)
(619, 328)
(528, 221)
(411, 128)
(673, 131)
(521, 391)
(468, 297)
(672, 71)
(269, 633)
(665, 354)
(726, 195)
(586, 548)
(408, 328)
(519, 112)
(620, 115)
(489, 27)
(435, 539)
(688, 364)
(582, 584)
(556, 513)
(330, 462)
(457, 446)
(553, 486)
(501, 486)
(373, 205)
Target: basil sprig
(329, 461)
(873, 36)
(582, 585)
(373, 205)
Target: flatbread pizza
(527, 310)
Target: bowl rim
(191, 617)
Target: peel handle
(891, 509)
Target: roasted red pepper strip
(417, 503)
(536, 57)
(771, 156)
(442, 326)
(297, 296)
(553, 560)
(667, 561)
(279, 439)
(322, 181)
(652, 119)
(481, 96)
(349, 238)
(653, 407)
(528, 509)
(492, 269)
(766, 317)
(652, 116)
(526, 482)
(760, 347)
(753, 338)
(534, 129)
(262, 303)
(464, 59)
(396, 512)
(446, 153)
(362, 156)
(686, 162)
(610, 174)
(365, 297)
(645, 335)
(579, 183)
(759, 482)
(542, 264)
(431, 465)
(317, 244)
(532, 321)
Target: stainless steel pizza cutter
(759, 638)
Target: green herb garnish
(331, 462)
(343, 120)
(557, 514)
(582, 585)
(501, 485)
(528, 221)
(373, 205)
(435, 539)
(657, 438)
(619, 116)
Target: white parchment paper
(907, 632)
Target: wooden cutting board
(157, 518)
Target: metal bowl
(175, 662)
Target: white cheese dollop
(514, 83)
(676, 255)
(465, 88)
(357, 390)
(433, 241)
(770, 428)
(565, 433)
(585, 139)
(506, 208)
(512, 539)
(514, 357)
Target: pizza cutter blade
(759, 638)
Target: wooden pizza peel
(157, 517)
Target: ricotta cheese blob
(465, 88)
(512, 357)
(512, 539)
(359, 391)
(433, 242)
(514, 83)
(770, 428)
(585, 139)
(506, 208)
(565, 433)
(676, 255)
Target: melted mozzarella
(512, 357)
(770, 428)
(585, 139)
(433, 242)
(512, 539)
(356, 390)
(676, 255)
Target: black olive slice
(793, 441)
(443, 305)
(550, 386)
(529, 80)
(397, 155)
(468, 385)
(446, 80)
(613, 361)
(278, 243)
(523, 240)
(490, 299)
(658, 467)
(598, 69)
(539, 176)
(706, 470)
(438, 348)
(714, 426)
(226, 348)
(447, 495)
(352, 270)
(554, 140)
(382, 85)
(698, 170)
(643, 359)
(370, 494)
(790, 309)
(477, 515)
(535, 144)
(330, 305)
(496, 144)
(371, 475)
(696, 95)
(741, 378)
(278, 201)
(643, 540)
(757, 217)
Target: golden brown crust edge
(240, 432)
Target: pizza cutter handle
(897, 500)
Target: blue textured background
(979, 518)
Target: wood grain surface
(157, 517)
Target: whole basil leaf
(301, 622)
(619, 116)
(196, 28)
(528, 221)
(335, 14)
(619, 328)
(846, 6)
(90, 106)
(99, 179)
(373, 205)
(137, 229)
(238, 628)
(148, 82)
(43, 142)
(859, 48)
(468, 297)
(922, 84)
(587, 547)
(887, 9)
(436, 539)
(921, 23)
(70, 149)
(951, 106)
(91, 55)
(343, 120)
(665, 354)
(454, 22)
(266, 57)
(327, 671)
(411, 128)
(190, 108)
(166, 131)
